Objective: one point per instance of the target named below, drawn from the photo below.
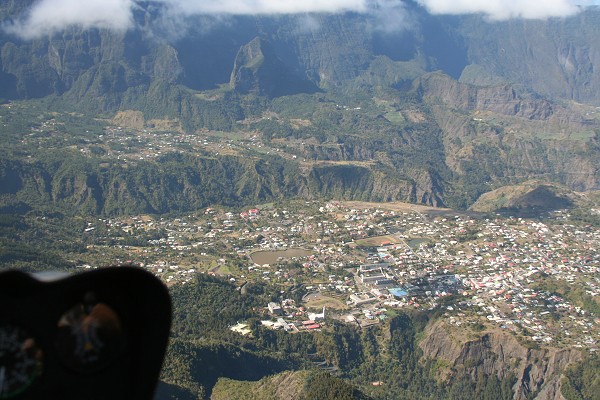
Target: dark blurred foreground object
(96, 335)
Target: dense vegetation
(582, 381)
(38, 243)
(301, 385)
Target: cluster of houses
(130, 145)
(497, 268)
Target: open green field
(318, 301)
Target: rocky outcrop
(500, 135)
(538, 371)
(259, 71)
(286, 385)
(372, 183)
(504, 99)
(501, 99)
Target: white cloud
(504, 9)
(48, 16)
(241, 7)
(390, 15)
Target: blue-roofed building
(398, 292)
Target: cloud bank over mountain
(504, 9)
(250, 7)
(48, 16)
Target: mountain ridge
(411, 117)
(335, 49)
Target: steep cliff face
(538, 371)
(501, 99)
(554, 57)
(186, 183)
(358, 182)
(259, 71)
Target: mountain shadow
(258, 70)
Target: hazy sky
(48, 16)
